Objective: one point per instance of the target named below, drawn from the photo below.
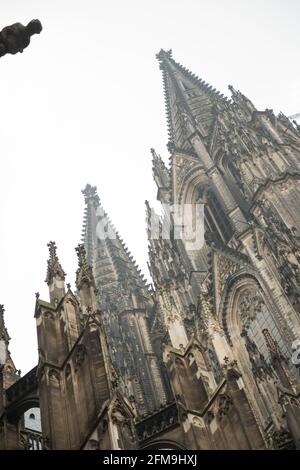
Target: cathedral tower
(207, 358)
(127, 307)
(230, 302)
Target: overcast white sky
(84, 103)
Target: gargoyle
(16, 38)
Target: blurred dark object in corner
(16, 38)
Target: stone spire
(89, 237)
(198, 117)
(190, 102)
(55, 274)
(126, 303)
(9, 372)
(3, 337)
(3, 331)
(101, 239)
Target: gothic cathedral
(207, 356)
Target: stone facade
(203, 359)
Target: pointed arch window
(216, 220)
(255, 318)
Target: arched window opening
(237, 184)
(249, 315)
(255, 318)
(216, 220)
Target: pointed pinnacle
(54, 266)
(84, 271)
(81, 254)
(2, 310)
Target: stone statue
(16, 38)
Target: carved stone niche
(123, 421)
(80, 354)
(225, 403)
(49, 315)
(103, 426)
(54, 375)
(118, 416)
(199, 422)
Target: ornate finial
(81, 254)
(90, 193)
(154, 155)
(54, 266)
(16, 38)
(84, 272)
(37, 295)
(69, 286)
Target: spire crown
(190, 103)
(90, 194)
(162, 54)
